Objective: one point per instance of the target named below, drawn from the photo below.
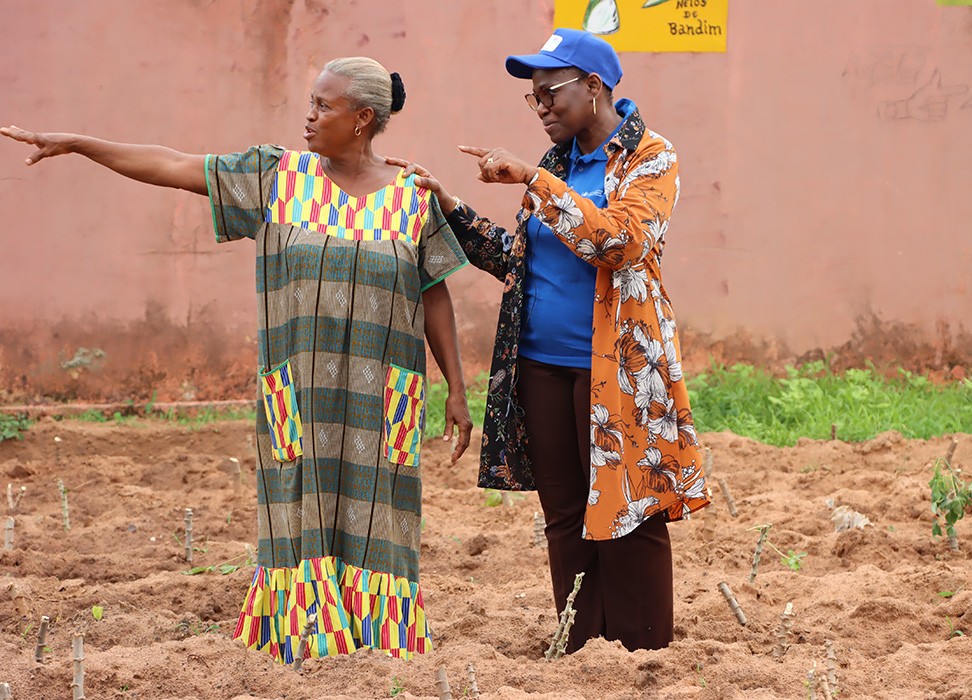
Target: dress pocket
(283, 416)
(404, 405)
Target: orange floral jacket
(645, 456)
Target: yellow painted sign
(649, 25)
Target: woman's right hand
(48, 145)
(424, 178)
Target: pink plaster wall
(805, 206)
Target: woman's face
(565, 110)
(331, 120)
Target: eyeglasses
(546, 96)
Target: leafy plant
(792, 559)
(224, 568)
(13, 427)
(495, 498)
(396, 687)
(950, 497)
(97, 612)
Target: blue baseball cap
(570, 48)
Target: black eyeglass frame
(534, 100)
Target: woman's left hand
(499, 165)
(457, 416)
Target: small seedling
(953, 631)
(950, 497)
(698, 670)
(946, 594)
(97, 612)
(396, 687)
(792, 559)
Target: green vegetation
(435, 399)
(805, 403)
(950, 497)
(810, 398)
(195, 418)
(13, 427)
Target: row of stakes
(828, 681)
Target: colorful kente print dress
(342, 371)
(645, 455)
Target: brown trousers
(626, 592)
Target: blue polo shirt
(558, 287)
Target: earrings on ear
(594, 102)
(357, 131)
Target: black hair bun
(398, 93)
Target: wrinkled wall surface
(825, 166)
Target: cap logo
(552, 43)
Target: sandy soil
(876, 592)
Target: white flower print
(651, 380)
(655, 289)
(605, 438)
(674, 366)
(695, 490)
(569, 215)
(593, 496)
(665, 425)
(657, 229)
(631, 284)
(535, 199)
(666, 323)
(659, 165)
(634, 513)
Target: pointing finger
(474, 150)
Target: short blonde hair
(370, 86)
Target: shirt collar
(624, 108)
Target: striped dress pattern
(341, 348)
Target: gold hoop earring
(357, 131)
(594, 102)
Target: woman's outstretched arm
(155, 165)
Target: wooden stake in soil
(5, 692)
(304, 637)
(733, 603)
(952, 539)
(783, 634)
(41, 639)
(13, 502)
(763, 531)
(812, 682)
(728, 496)
(825, 686)
(65, 515)
(539, 538)
(8, 534)
(831, 665)
(77, 685)
(558, 645)
(707, 461)
(951, 451)
(442, 684)
(473, 688)
(833, 431)
(187, 518)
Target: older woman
(598, 422)
(350, 260)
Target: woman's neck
(598, 132)
(352, 161)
